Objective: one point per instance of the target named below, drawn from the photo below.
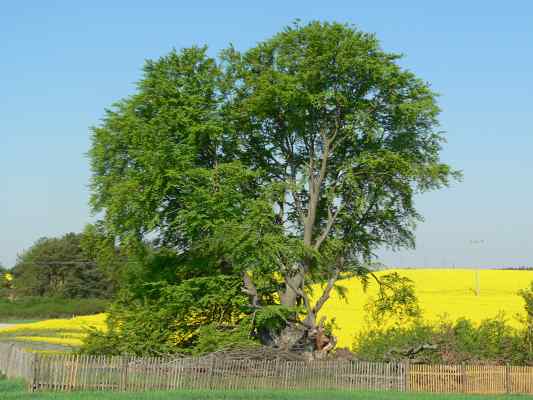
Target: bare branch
(324, 161)
(327, 291)
(315, 184)
(332, 217)
(297, 202)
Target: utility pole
(477, 280)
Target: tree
(287, 165)
(6, 279)
(59, 267)
(110, 258)
(527, 296)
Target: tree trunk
(311, 341)
(290, 295)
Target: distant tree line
(72, 266)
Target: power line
(57, 262)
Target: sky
(63, 62)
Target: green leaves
(166, 318)
(202, 140)
(396, 301)
(143, 153)
(60, 267)
(290, 163)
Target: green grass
(18, 321)
(35, 308)
(15, 390)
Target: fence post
(407, 376)
(35, 371)
(286, 374)
(123, 386)
(9, 361)
(211, 382)
(507, 379)
(463, 376)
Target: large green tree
(287, 165)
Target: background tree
(111, 259)
(287, 165)
(3, 272)
(59, 267)
(6, 279)
(527, 296)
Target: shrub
(491, 341)
(159, 317)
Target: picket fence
(71, 372)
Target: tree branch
(331, 220)
(250, 289)
(327, 291)
(314, 191)
(302, 294)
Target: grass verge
(15, 390)
(36, 308)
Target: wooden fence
(482, 379)
(98, 373)
(15, 362)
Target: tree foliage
(6, 279)
(286, 166)
(59, 267)
(527, 296)
(396, 302)
(463, 341)
(492, 340)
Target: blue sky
(62, 63)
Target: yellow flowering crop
(76, 324)
(66, 332)
(450, 292)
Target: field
(53, 334)
(15, 390)
(442, 292)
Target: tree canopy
(60, 267)
(287, 165)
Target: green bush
(212, 338)
(493, 341)
(158, 317)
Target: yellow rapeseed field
(442, 292)
(67, 332)
(450, 292)
(75, 324)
